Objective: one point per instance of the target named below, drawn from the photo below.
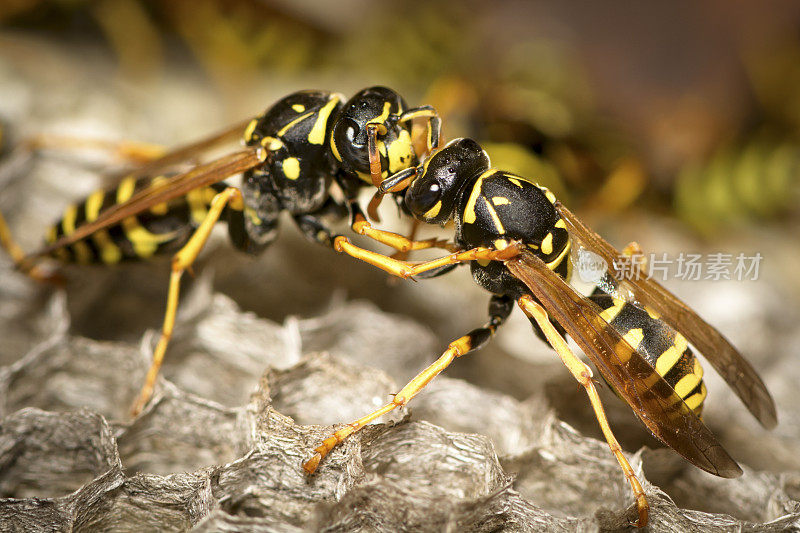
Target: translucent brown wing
(188, 152)
(175, 187)
(653, 400)
(725, 359)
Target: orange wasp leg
(406, 269)
(461, 346)
(182, 261)
(583, 374)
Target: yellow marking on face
(293, 123)
(696, 400)
(469, 211)
(552, 265)
(125, 189)
(500, 200)
(500, 244)
(68, 221)
(671, 355)
(317, 133)
(689, 382)
(93, 204)
(162, 208)
(401, 152)
(334, 150)
(291, 168)
(498, 225)
(634, 337)
(433, 211)
(611, 313)
(560, 224)
(299, 107)
(248, 131)
(387, 106)
(547, 244)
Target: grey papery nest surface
(504, 440)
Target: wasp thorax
(349, 141)
(432, 196)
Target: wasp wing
(725, 359)
(175, 187)
(187, 152)
(653, 400)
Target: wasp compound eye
(350, 141)
(423, 199)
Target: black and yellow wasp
(518, 240)
(296, 151)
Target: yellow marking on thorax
(433, 211)
(317, 133)
(294, 122)
(251, 214)
(299, 107)
(248, 131)
(498, 225)
(547, 244)
(515, 181)
(560, 224)
(671, 355)
(500, 244)
(548, 194)
(689, 382)
(634, 337)
(469, 211)
(291, 168)
(500, 200)
(483, 262)
(552, 265)
(272, 144)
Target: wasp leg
(434, 126)
(130, 151)
(21, 261)
(181, 261)
(499, 309)
(406, 269)
(314, 228)
(360, 225)
(583, 374)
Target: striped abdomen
(664, 348)
(163, 228)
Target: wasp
(309, 155)
(517, 238)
